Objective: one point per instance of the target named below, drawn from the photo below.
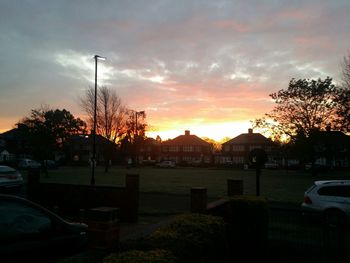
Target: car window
(341, 191)
(18, 220)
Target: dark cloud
(194, 60)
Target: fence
(298, 237)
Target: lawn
(276, 185)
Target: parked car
(49, 164)
(318, 167)
(271, 165)
(166, 164)
(10, 178)
(31, 233)
(28, 164)
(331, 200)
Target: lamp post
(142, 113)
(93, 160)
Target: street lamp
(93, 161)
(137, 113)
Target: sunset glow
(203, 66)
(216, 131)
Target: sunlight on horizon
(215, 131)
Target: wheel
(335, 218)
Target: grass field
(276, 185)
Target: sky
(205, 66)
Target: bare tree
(342, 98)
(110, 118)
(111, 113)
(346, 71)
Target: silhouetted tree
(306, 105)
(342, 98)
(136, 127)
(48, 130)
(111, 116)
(111, 113)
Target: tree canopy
(305, 106)
(49, 129)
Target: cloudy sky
(205, 66)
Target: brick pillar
(132, 182)
(33, 183)
(198, 199)
(234, 187)
(103, 228)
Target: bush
(248, 223)
(193, 238)
(138, 256)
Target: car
(166, 164)
(331, 200)
(31, 233)
(28, 164)
(271, 165)
(10, 178)
(49, 164)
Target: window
(173, 148)
(342, 190)
(165, 148)
(238, 159)
(187, 148)
(227, 148)
(251, 147)
(238, 148)
(198, 148)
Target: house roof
(187, 139)
(13, 134)
(249, 138)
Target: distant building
(149, 151)
(332, 149)
(187, 149)
(79, 149)
(14, 145)
(236, 151)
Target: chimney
(250, 131)
(187, 132)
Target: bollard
(103, 228)
(33, 184)
(198, 199)
(234, 187)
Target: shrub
(138, 256)
(248, 223)
(193, 238)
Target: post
(93, 161)
(258, 172)
(234, 187)
(103, 228)
(198, 199)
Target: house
(332, 149)
(236, 151)
(187, 149)
(14, 145)
(79, 149)
(149, 151)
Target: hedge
(138, 256)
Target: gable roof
(187, 139)
(249, 138)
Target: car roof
(322, 182)
(5, 168)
